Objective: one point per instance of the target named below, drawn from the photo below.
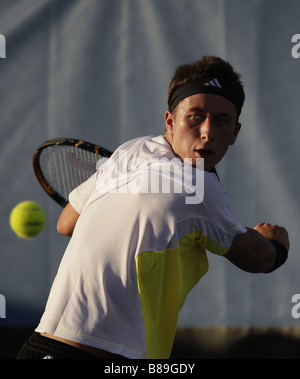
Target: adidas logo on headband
(213, 83)
(205, 85)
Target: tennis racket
(62, 164)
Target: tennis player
(136, 251)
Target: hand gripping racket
(62, 164)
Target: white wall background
(99, 70)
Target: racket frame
(77, 143)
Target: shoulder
(146, 147)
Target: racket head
(62, 164)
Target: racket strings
(66, 167)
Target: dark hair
(207, 66)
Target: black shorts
(39, 347)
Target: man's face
(202, 126)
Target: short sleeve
(80, 195)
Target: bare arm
(253, 252)
(67, 220)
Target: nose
(207, 131)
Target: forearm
(67, 220)
(254, 252)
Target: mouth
(204, 153)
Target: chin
(208, 167)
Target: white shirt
(136, 252)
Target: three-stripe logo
(213, 83)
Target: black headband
(205, 85)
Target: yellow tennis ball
(27, 219)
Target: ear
(236, 132)
(169, 122)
